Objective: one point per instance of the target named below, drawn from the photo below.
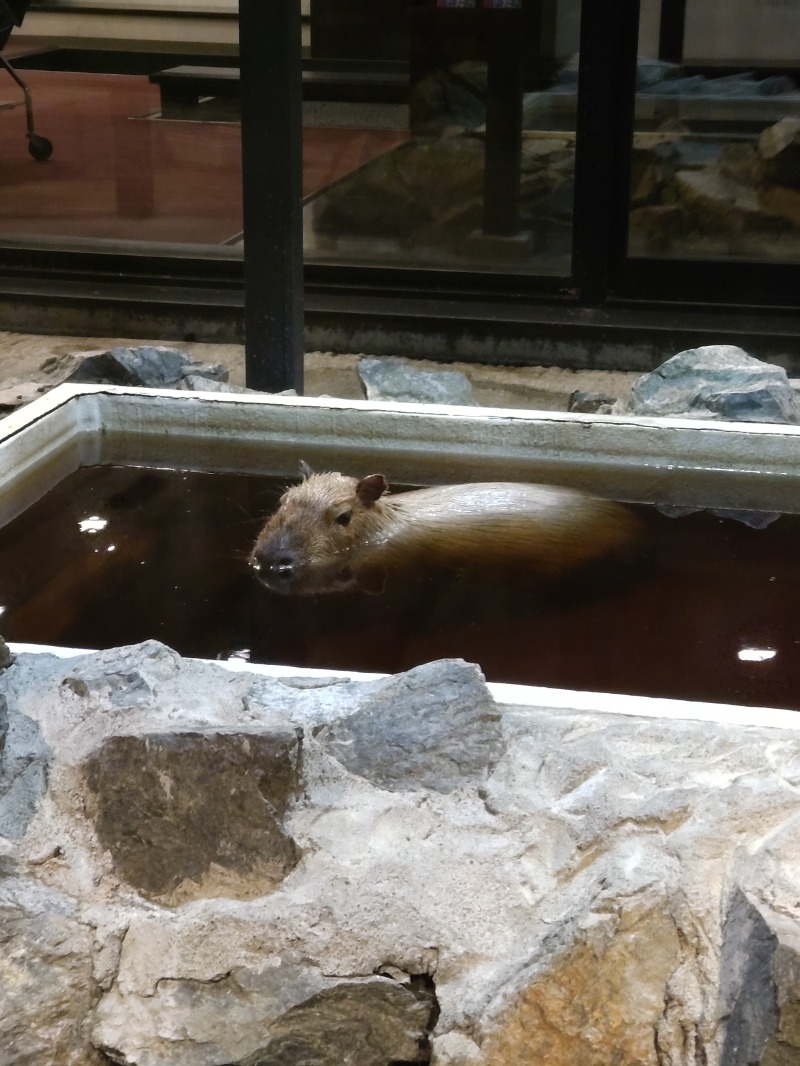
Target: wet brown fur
(332, 531)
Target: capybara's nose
(282, 566)
(274, 568)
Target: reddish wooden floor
(117, 174)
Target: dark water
(713, 614)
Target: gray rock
(760, 985)
(776, 85)
(754, 403)
(717, 381)
(746, 84)
(694, 83)
(46, 983)
(216, 1006)
(654, 71)
(590, 402)
(392, 379)
(24, 761)
(742, 84)
(754, 519)
(148, 366)
(434, 727)
(6, 658)
(195, 382)
(175, 809)
(372, 1023)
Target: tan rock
(599, 1003)
(656, 228)
(780, 200)
(774, 139)
(740, 162)
(779, 147)
(715, 201)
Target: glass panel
(716, 153)
(125, 165)
(435, 134)
(456, 149)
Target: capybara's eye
(343, 519)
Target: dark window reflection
(481, 174)
(716, 153)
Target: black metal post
(270, 57)
(672, 30)
(603, 142)
(503, 149)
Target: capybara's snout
(283, 566)
(276, 564)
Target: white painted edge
(32, 412)
(65, 392)
(517, 697)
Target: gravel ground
(30, 364)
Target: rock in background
(717, 381)
(211, 867)
(706, 195)
(428, 194)
(152, 366)
(692, 192)
(147, 366)
(394, 379)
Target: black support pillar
(671, 30)
(606, 101)
(503, 35)
(270, 59)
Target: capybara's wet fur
(332, 532)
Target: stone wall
(207, 867)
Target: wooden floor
(117, 172)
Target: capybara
(332, 532)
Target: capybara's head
(317, 538)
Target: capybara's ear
(305, 469)
(371, 488)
